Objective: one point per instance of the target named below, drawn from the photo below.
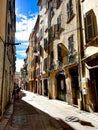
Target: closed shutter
(89, 25)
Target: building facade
(34, 56)
(60, 38)
(90, 60)
(68, 39)
(7, 53)
(44, 42)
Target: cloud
(24, 26)
(19, 65)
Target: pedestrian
(16, 91)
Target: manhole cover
(72, 119)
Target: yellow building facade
(7, 53)
(34, 56)
(89, 11)
(68, 37)
(60, 39)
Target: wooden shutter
(89, 25)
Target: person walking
(16, 91)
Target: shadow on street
(27, 117)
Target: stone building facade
(34, 56)
(90, 60)
(60, 38)
(68, 37)
(7, 53)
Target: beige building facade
(68, 39)
(34, 56)
(44, 42)
(7, 53)
(60, 49)
(89, 11)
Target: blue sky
(26, 14)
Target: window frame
(70, 12)
(89, 25)
(71, 56)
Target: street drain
(72, 119)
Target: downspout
(80, 44)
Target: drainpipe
(80, 43)
(81, 56)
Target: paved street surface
(36, 112)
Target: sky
(26, 15)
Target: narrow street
(36, 112)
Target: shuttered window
(59, 22)
(69, 10)
(70, 49)
(89, 25)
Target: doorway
(74, 84)
(61, 87)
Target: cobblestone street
(36, 112)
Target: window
(35, 39)
(70, 49)
(45, 43)
(58, 2)
(51, 12)
(69, 10)
(41, 50)
(45, 64)
(50, 35)
(36, 59)
(41, 33)
(59, 49)
(9, 5)
(59, 22)
(90, 25)
(46, 24)
(47, 5)
(52, 61)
